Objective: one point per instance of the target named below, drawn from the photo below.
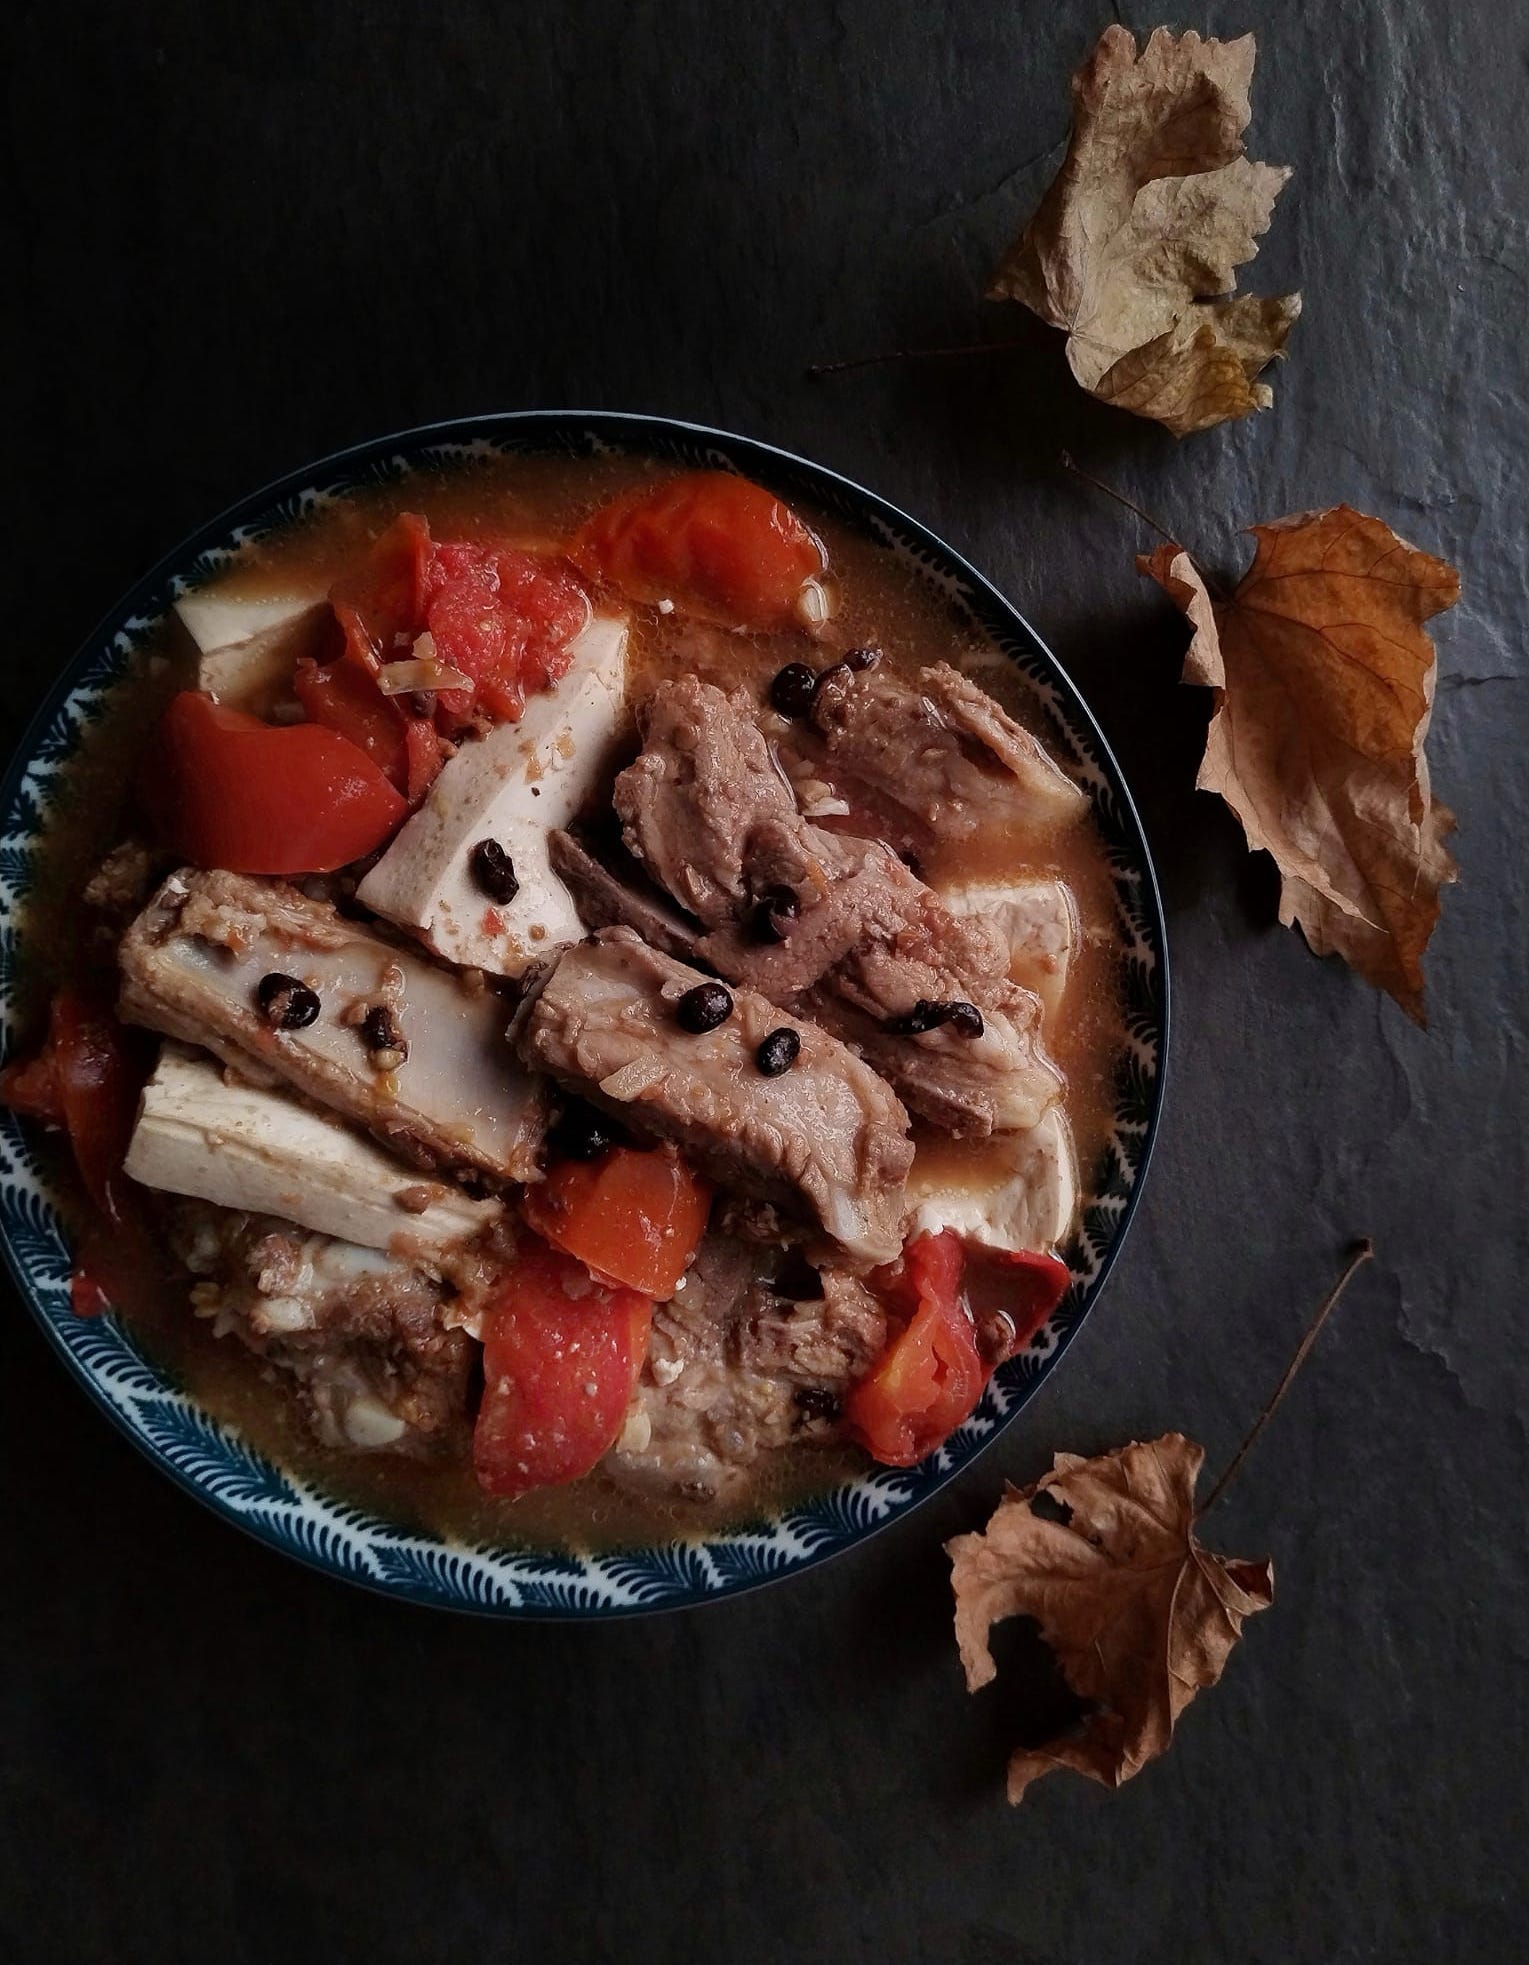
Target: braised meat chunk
(287, 990)
(707, 811)
(737, 1368)
(831, 926)
(937, 761)
(358, 1332)
(610, 897)
(963, 1050)
(818, 1133)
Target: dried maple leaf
(1324, 681)
(1134, 248)
(1102, 1553)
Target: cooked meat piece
(358, 1332)
(826, 1135)
(937, 762)
(968, 1086)
(244, 1146)
(606, 898)
(697, 1424)
(123, 882)
(734, 1370)
(707, 812)
(870, 895)
(193, 966)
(868, 939)
(873, 899)
(828, 1342)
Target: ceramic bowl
(244, 1487)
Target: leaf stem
(1363, 1253)
(1074, 469)
(1069, 464)
(962, 349)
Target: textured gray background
(240, 236)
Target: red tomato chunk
(86, 1079)
(507, 619)
(226, 790)
(561, 1355)
(707, 537)
(633, 1217)
(345, 697)
(502, 617)
(931, 1375)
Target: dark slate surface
(243, 236)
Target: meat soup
(596, 993)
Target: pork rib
(358, 1333)
(938, 761)
(714, 821)
(826, 1137)
(736, 1368)
(192, 965)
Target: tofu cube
(1039, 920)
(1016, 1191)
(515, 786)
(246, 649)
(241, 1146)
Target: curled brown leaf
(1102, 1554)
(1133, 250)
(1324, 683)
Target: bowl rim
(640, 430)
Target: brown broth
(535, 501)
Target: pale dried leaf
(1324, 682)
(1204, 370)
(1140, 1617)
(1152, 212)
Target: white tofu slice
(215, 620)
(246, 648)
(243, 1147)
(1016, 1191)
(515, 786)
(1039, 920)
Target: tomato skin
(345, 697)
(931, 1375)
(226, 790)
(561, 1356)
(728, 547)
(630, 1216)
(99, 1078)
(86, 1079)
(380, 605)
(88, 1296)
(1034, 1285)
(423, 758)
(30, 1087)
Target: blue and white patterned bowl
(211, 1461)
